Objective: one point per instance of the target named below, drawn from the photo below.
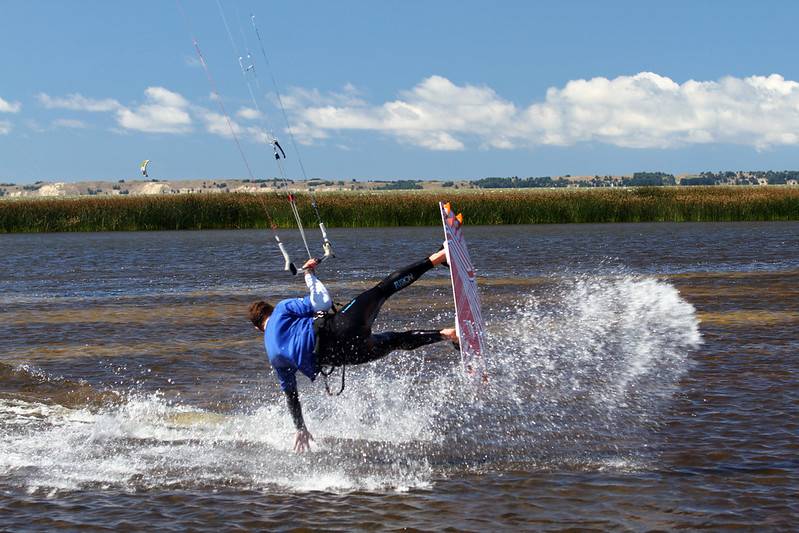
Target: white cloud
(248, 113)
(641, 111)
(71, 124)
(216, 123)
(77, 102)
(255, 133)
(8, 107)
(5, 127)
(193, 61)
(298, 97)
(258, 135)
(651, 111)
(434, 114)
(163, 112)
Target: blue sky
(397, 90)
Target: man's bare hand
(310, 265)
(302, 442)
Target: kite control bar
(289, 265)
(328, 253)
(293, 269)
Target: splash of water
(583, 369)
(579, 375)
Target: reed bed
(383, 209)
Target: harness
(324, 334)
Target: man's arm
(320, 298)
(293, 401)
(303, 437)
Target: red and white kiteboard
(468, 318)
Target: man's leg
(385, 343)
(379, 346)
(351, 327)
(356, 317)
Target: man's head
(259, 312)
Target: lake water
(641, 377)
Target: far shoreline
(155, 186)
(239, 210)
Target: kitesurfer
(304, 334)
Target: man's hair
(259, 312)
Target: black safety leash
(327, 373)
(321, 331)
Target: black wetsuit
(345, 337)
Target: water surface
(642, 376)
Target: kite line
(327, 248)
(278, 150)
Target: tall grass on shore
(244, 210)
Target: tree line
(646, 179)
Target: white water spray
(579, 374)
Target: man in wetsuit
(299, 335)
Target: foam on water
(579, 372)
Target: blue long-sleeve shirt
(289, 336)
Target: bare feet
(449, 333)
(438, 257)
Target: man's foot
(440, 257)
(452, 336)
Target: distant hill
(157, 187)
(141, 187)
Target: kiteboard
(468, 318)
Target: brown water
(642, 377)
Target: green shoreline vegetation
(401, 208)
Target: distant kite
(144, 167)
